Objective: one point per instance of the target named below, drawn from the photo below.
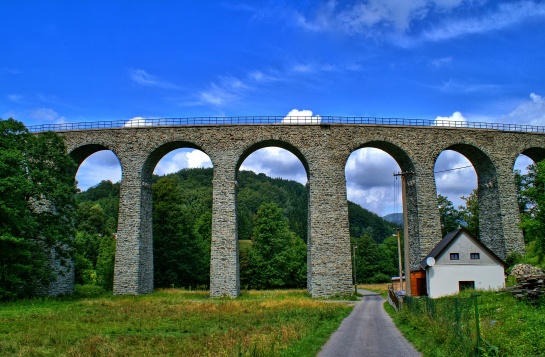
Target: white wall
(443, 280)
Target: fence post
(457, 315)
(477, 324)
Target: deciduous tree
(37, 189)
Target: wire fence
(457, 317)
(280, 120)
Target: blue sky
(470, 60)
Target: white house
(461, 261)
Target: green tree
(278, 257)
(366, 258)
(91, 226)
(470, 212)
(522, 182)
(450, 217)
(180, 258)
(105, 262)
(37, 189)
(533, 219)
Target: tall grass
(508, 328)
(169, 322)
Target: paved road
(368, 331)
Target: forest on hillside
(272, 229)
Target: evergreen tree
(278, 256)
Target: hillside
(182, 221)
(253, 191)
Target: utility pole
(399, 259)
(354, 247)
(403, 176)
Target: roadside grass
(508, 328)
(382, 289)
(169, 322)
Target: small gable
(462, 248)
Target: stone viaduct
(323, 149)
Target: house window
(454, 256)
(463, 285)
(475, 256)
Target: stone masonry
(323, 150)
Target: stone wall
(323, 150)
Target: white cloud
(276, 162)
(197, 158)
(16, 98)
(454, 183)
(380, 200)
(529, 112)
(370, 180)
(143, 78)
(12, 71)
(137, 122)
(522, 162)
(48, 115)
(304, 116)
(409, 22)
(303, 68)
(373, 17)
(259, 76)
(506, 14)
(179, 159)
(454, 86)
(228, 89)
(455, 120)
(440, 62)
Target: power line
(456, 168)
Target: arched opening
(97, 211)
(375, 211)
(523, 164)
(490, 221)
(456, 182)
(272, 212)
(182, 216)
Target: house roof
(452, 236)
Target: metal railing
(280, 120)
(393, 299)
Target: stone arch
(159, 152)
(148, 167)
(536, 154)
(273, 142)
(80, 153)
(489, 196)
(396, 152)
(262, 144)
(417, 231)
(484, 167)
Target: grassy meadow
(508, 328)
(169, 322)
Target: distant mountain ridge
(396, 218)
